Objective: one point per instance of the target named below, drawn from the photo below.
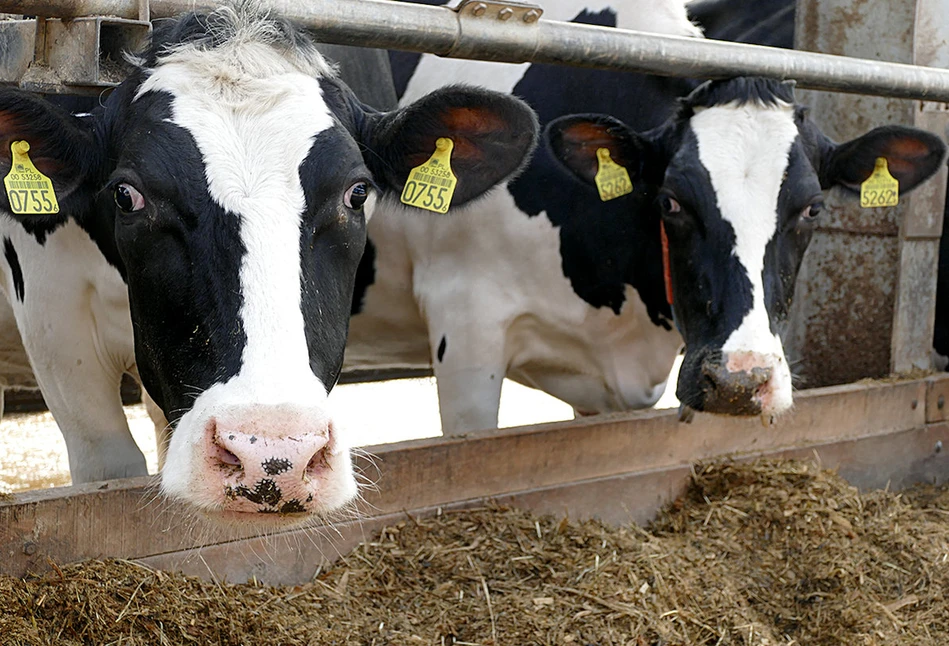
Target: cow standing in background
(535, 282)
(217, 205)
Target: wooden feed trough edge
(618, 468)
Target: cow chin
(273, 464)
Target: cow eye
(127, 198)
(356, 196)
(669, 204)
(811, 211)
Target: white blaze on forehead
(253, 134)
(745, 149)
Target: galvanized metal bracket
(515, 12)
(83, 53)
(515, 21)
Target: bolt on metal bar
(446, 32)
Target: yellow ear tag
(881, 188)
(431, 185)
(30, 192)
(612, 180)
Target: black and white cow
(216, 205)
(736, 177)
(544, 283)
(534, 282)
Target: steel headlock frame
(513, 32)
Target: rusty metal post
(866, 293)
(922, 223)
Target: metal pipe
(442, 31)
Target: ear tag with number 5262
(30, 192)
(431, 185)
(612, 180)
(881, 188)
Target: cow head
(736, 177)
(230, 181)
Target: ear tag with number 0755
(881, 188)
(431, 185)
(30, 192)
(612, 180)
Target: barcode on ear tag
(29, 191)
(612, 180)
(432, 185)
(881, 188)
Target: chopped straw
(767, 553)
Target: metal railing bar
(442, 31)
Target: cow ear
(575, 139)
(493, 136)
(61, 145)
(912, 156)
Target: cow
(546, 284)
(211, 218)
(735, 180)
(82, 351)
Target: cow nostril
(316, 464)
(710, 383)
(226, 458)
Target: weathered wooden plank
(519, 459)
(894, 460)
(118, 519)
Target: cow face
(233, 177)
(737, 178)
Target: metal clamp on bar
(507, 23)
(518, 12)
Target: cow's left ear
(493, 136)
(575, 139)
(912, 156)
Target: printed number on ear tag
(431, 185)
(881, 188)
(612, 180)
(30, 192)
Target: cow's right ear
(493, 134)
(575, 139)
(62, 146)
